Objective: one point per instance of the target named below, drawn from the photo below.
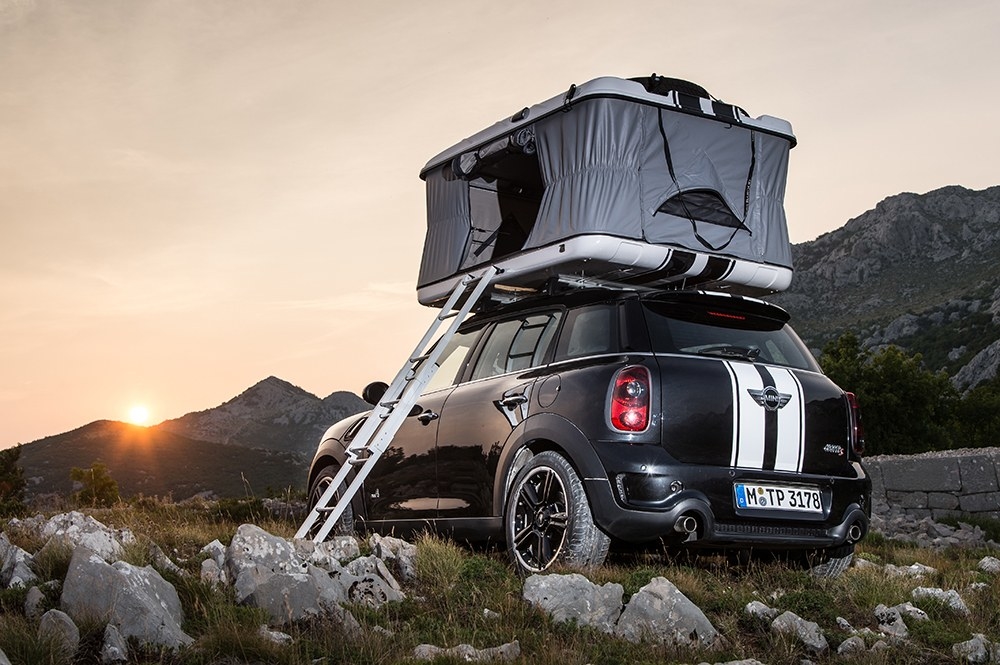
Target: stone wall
(952, 483)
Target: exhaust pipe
(686, 524)
(854, 533)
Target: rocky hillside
(275, 424)
(273, 415)
(155, 462)
(918, 271)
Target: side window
(516, 345)
(451, 361)
(588, 331)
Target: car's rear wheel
(548, 519)
(833, 561)
(345, 525)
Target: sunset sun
(138, 415)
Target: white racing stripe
(750, 428)
(791, 434)
(750, 419)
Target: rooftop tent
(645, 181)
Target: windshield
(704, 331)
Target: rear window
(725, 333)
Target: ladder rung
(325, 509)
(447, 315)
(421, 358)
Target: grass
(454, 585)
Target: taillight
(857, 428)
(630, 399)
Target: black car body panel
(740, 420)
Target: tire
(833, 561)
(548, 520)
(345, 525)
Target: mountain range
(259, 442)
(919, 271)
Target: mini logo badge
(769, 398)
(833, 449)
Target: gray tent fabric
(446, 245)
(613, 166)
(590, 163)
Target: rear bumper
(717, 522)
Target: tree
(906, 408)
(98, 487)
(914, 407)
(12, 482)
(844, 360)
(977, 416)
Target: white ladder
(387, 416)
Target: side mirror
(373, 392)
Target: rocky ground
(294, 581)
(925, 532)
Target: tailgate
(748, 415)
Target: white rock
(911, 611)
(853, 644)
(807, 632)
(217, 551)
(468, 653)
(275, 636)
(890, 622)
(80, 529)
(33, 603)
(989, 564)
(114, 649)
(659, 612)
(914, 570)
(846, 626)
(575, 598)
(15, 565)
(398, 552)
(949, 598)
(57, 626)
(976, 650)
(757, 609)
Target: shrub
(12, 482)
(98, 487)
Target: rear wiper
(750, 353)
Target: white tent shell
(646, 181)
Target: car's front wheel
(345, 525)
(548, 518)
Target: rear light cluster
(630, 399)
(857, 428)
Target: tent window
(702, 206)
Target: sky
(198, 194)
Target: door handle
(427, 416)
(513, 400)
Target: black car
(560, 423)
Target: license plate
(753, 496)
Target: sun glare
(138, 415)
